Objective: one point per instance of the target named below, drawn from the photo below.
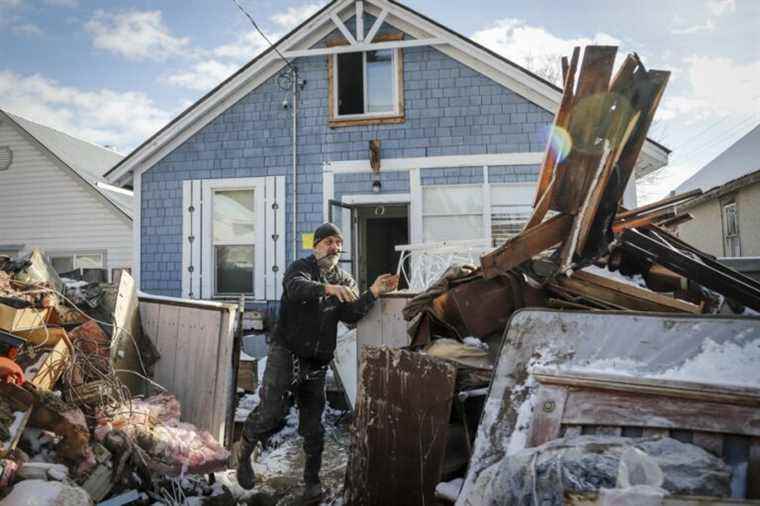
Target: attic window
(365, 87)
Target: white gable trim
(66, 168)
(480, 60)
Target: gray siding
(450, 109)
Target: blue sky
(114, 72)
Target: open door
(344, 215)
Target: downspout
(294, 80)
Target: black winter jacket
(308, 321)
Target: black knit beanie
(326, 230)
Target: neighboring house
(52, 196)
(462, 133)
(727, 216)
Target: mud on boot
(245, 474)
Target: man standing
(317, 294)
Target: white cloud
(136, 35)
(720, 7)
(708, 26)
(716, 87)
(294, 16)
(244, 48)
(203, 75)
(533, 46)
(63, 3)
(27, 29)
(105, 117)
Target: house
(54, 198)
(405, 133)
(727, 216)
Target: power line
(272, 46)
(721, 138)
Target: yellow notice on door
(307, 241)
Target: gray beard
(328, 263)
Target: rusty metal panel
(398, 441)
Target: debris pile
(75, 423)
(574, 333)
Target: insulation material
(174, 446)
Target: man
(317, 294)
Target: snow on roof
(742, 158)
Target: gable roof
(740, 159)
(85, 160)
(266, 64)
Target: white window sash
(367, 115)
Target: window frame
(729, 238)
(395, 116)
(74, 253)
(258, 185)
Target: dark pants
(269, 415)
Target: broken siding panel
(45, 206)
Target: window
(365, 86)
(69, 262)
(452, 213)
(511, 207)
(234, 238)
(731, 231)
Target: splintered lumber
(702, 269)
(666, 202)
(398, 441)
(584, 283)
(644, 220)
(525, 245)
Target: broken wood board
(49, 366)
(526, 245)
(400, 431)
(345, 363)
(660, 247)
(21, 402)
(671, 347)
(194, 339)
(631, 297)
(44, 336)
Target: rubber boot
(312, 493)
(245, 475)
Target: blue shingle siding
(513, 174)
(450, 110)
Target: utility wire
(720, 139)
(272, 46)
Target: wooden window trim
(333, 122)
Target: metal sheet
(400, 429)
(641, 344)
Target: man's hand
(10, 372)
(343, 293)
(383, 284)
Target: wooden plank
(400, 430)
(753, 469)
(546, 174)
(573, 430)
(125, 351)
(224, 382)
(667, 201)
(703, 271)
(622, 294)
(728, 394)
(524, 246)
(709, 441)
(187, 355)
(643, 220)
(200, 331)
(547, 416)
(168, 333)
(600, 407)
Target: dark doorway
(381, 229)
